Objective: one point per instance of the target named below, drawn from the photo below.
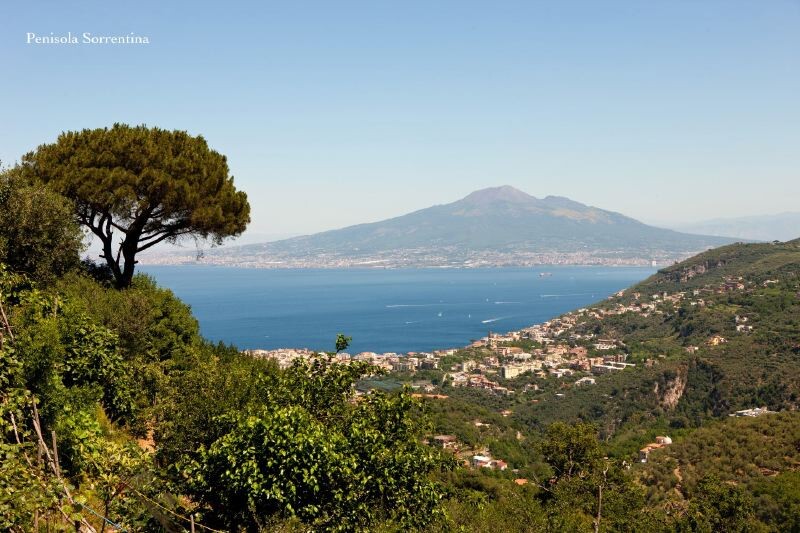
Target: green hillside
(759, 454)
(681, 379)
(683, 386)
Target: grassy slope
(761, 455)
(744, 451)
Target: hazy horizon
(702, 227)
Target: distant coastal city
(417, 258)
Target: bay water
(384, 310)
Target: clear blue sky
(335, 113)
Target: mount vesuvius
(494, 226)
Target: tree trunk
(123, 281)
(599, 509)
(600, 500)
(128, 253)
(108, 255)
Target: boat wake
(391, 306)
(490, 320)
(571, 294)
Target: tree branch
(52, 461)
(152, 235)
(161, 238)
(123, 230)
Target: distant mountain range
(780, 227)
(495, 226)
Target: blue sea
(384, 310)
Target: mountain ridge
(493, 226)
(780, 226)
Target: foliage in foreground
(309, 449)
(38, 234)
(252, 444)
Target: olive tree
(38, 235)
(148, 184)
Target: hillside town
(558, 348)
(262, 256)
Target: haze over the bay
(668, 112)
